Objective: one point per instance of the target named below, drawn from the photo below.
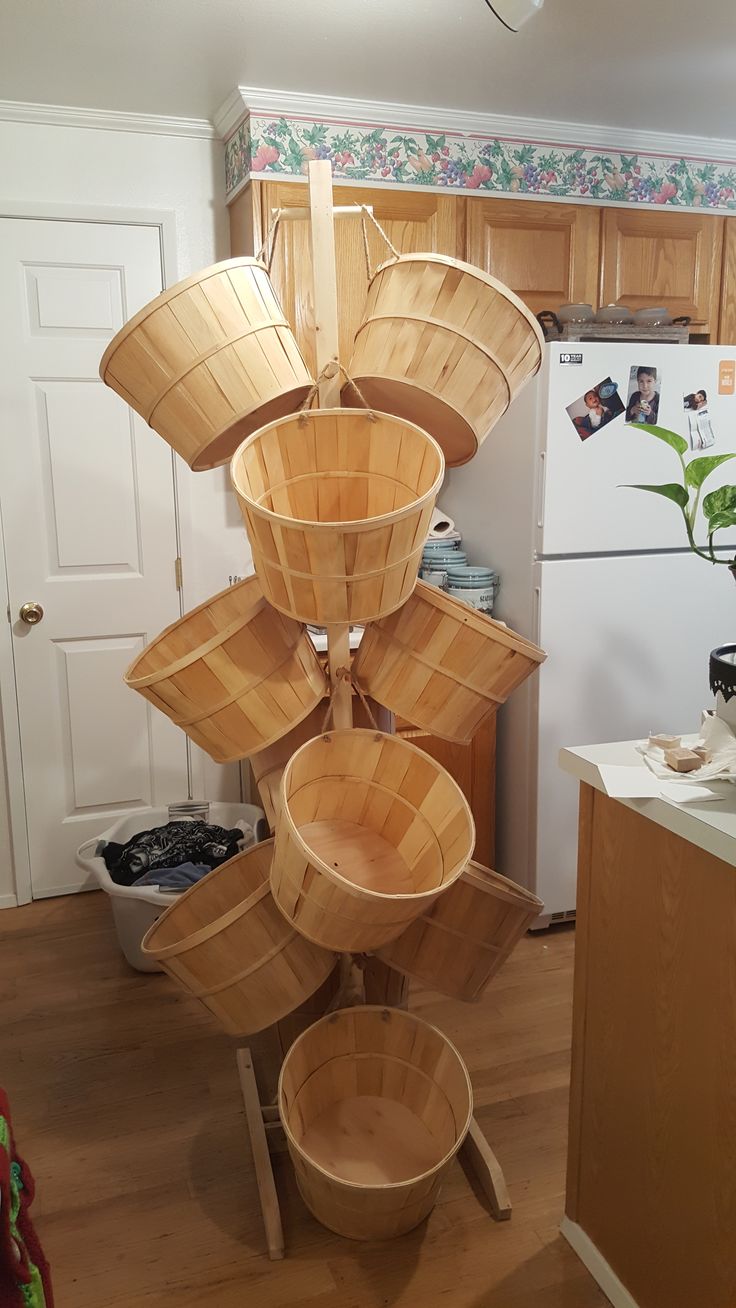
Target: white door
(628, 643)
(89, 525)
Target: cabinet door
(663, 258)
(245, 221)
(412, 221)
(547, 253)
(727, 324)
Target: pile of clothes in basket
(174, 856)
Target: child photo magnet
(700, 427)
(642, 401)
(595, 407)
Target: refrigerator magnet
(727, 377)
(642, 401)
(700, 427)
(596, 407)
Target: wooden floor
(127, 1107)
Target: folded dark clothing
(174, 878)
(170, 846)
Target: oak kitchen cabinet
(727, 323)
(656, 257)
(549, 254)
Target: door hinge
(177, 573)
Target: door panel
(90, 533)
(547, 253)
(412, 221)
(663, 258)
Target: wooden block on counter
(682, 760)
(664, 742)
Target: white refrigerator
(598, 575)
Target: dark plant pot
(723, 682)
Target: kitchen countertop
(710, 826)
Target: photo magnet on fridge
(700, 427)
(595, 408)
(642, 401)
(727, 377)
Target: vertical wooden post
(328, 354)
(324, 272)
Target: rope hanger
(328, 372)
(268, 246)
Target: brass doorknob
(31, 613)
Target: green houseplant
(719, 506)
(719, 510)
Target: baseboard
(596, 1264)
(72, 888)
(8, 901)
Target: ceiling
(665, 65)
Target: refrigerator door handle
(541, 486)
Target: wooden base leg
(479, 1156)
(261, 1156)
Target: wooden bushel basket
(374, 1104)
(445, 345)
(459, 944)
(268, 765)
(234, 674)
(209, 361)
(371, 831)
(337, 504)
(441, 664)
(227, 944)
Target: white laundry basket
(135, 908)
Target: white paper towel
(441, 525)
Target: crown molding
(262, 102)
(231, 113)
(107, 120)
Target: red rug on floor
(24, 1272)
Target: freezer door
(628, 641)
(592, 452)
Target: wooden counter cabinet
(651, 1199)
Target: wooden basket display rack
(373, 838)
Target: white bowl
(659, 317)
(575, 313)
(615, 313)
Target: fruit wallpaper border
(282, 147)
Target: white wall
(85, 167)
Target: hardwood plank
(127, 1105)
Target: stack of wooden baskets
(373, 839)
